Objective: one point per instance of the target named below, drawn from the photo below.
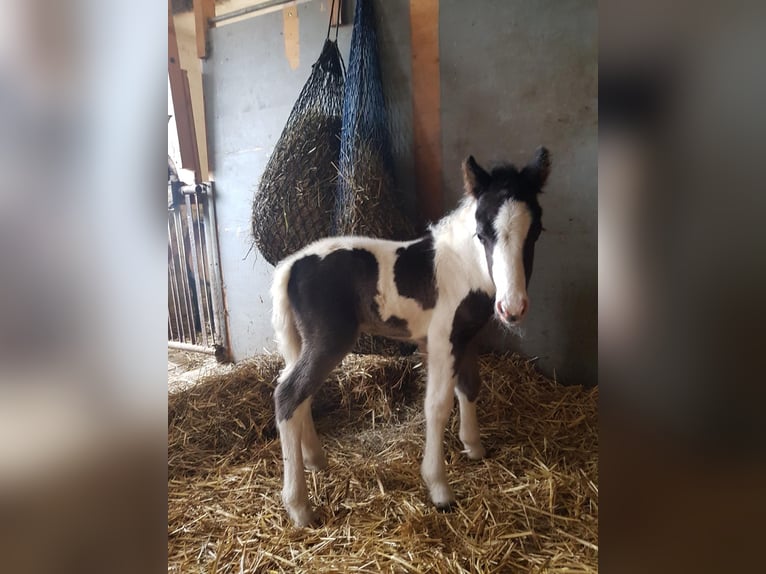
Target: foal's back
(338, 287)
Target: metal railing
(195, 293)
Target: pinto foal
(438, 291)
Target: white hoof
(315, 462)
(298, 507)
(476, 452)
(441, 495)
(301, 515)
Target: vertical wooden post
(335, 9)
(182, 106)
(291, 33)
(203, 11)
(426, 107)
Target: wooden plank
(203, 11)
(182, 106)
(291, 33)
(336, 8)
(426, 107)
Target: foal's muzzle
(512, 313)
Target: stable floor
(531, 506)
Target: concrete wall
(514, 75)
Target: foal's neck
(454, 237)
(459, 226)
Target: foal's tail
(282, 318)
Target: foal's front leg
(439, 401)
(467, 391)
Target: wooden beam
(203, 11)
(182, 106)
(291, 34)
(426, 107)
(336, 11)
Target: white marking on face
(512, 226)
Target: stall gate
(195, 293)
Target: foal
(438, 291)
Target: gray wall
(514, 75)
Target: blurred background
(681, 255)
(82, 317)
(681, 284)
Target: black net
(368, 203)
(295, 201)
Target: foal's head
(508, 223)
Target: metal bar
(174, 286)
(248, 10)
(201, 219)
(211, 231)
(180, 289)
(178, 221)
(195, 266)
(188, 347)
(172, 310)
(203, 279)
(204, 267)
(178, 308)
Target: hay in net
(367, 201)
(532, 505)
(367, 204)
(295, 201)
(296, 198)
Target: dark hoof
(446, 507)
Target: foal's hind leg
(294, 493)
(313, 454)
(293, 406)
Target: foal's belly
(398, 318)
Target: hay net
(295, 201)
(367, 202)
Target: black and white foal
(438, 291)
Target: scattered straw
(532, 506)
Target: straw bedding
(531, 506)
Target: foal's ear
(475, 179)
(539, 168)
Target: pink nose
(512, 315)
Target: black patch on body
(471, 315)
(333, 299)
(414, 272)
(399, 328)
(468, 378)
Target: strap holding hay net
(295, 201)
(367, 201)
